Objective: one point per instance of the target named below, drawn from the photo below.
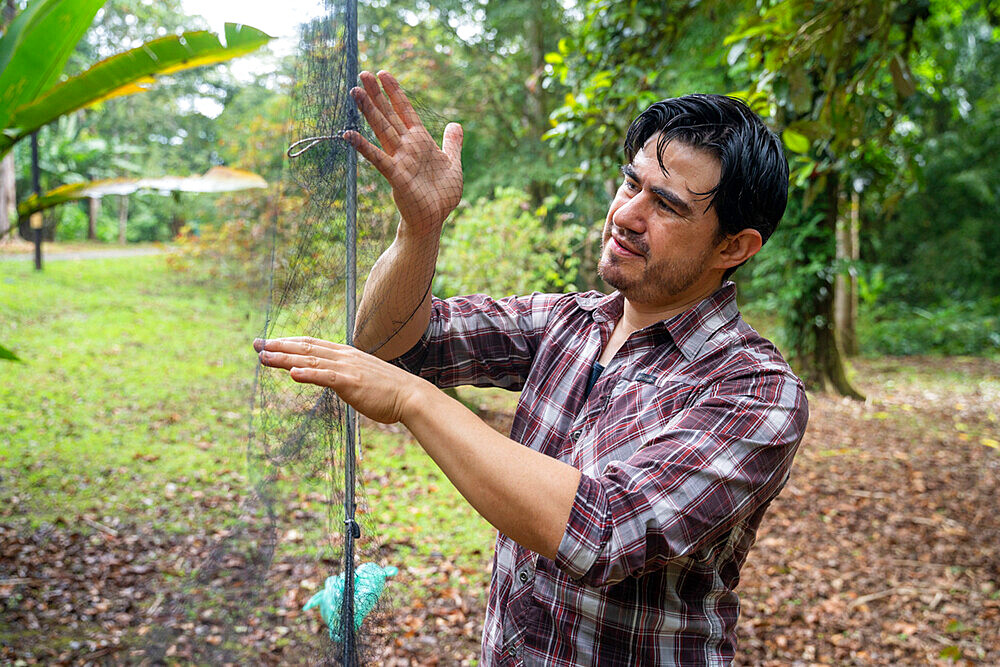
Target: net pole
(36, 218)
(351, 531)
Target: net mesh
(293, 518)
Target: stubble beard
(643, 282)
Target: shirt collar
(696, 325)
(689, 330)
(606, 307)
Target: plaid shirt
(683, 442)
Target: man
(654, 426)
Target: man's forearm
(524, 494)
(396, 304)
(426, 186)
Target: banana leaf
(129, 72)
(35, 47)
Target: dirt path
(82, 254)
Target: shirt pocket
(648, 395)
(635, 411)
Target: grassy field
(130, 382)
(130, 413)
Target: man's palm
(426, 180)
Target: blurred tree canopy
(887, 111)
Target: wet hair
(752, 191)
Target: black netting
(293, 519)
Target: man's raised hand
(426, 180)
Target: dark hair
(753, 186)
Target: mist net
(302, 553)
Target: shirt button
(575, 435)
(523, 577)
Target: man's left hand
(376, 389)
(525, 494)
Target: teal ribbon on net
(369, 583)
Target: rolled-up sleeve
(708, 468)
(480, 341)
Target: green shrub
(501, 246)
(72, 223)
(144, 226)
(497, 246)
(960, 328)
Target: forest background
(887, 111)
(883, 546)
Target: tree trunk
(820, 360)
(8, 193)
(93, 209)
(8, 196)
(122, 218)
(855, 258)
(177, 219)
(845, 300)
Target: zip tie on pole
(354, 527)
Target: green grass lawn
(133, 386)
(132, 404)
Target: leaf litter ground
(881, 550)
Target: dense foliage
(502, 246)
(896, 102)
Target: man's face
(659, 236)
